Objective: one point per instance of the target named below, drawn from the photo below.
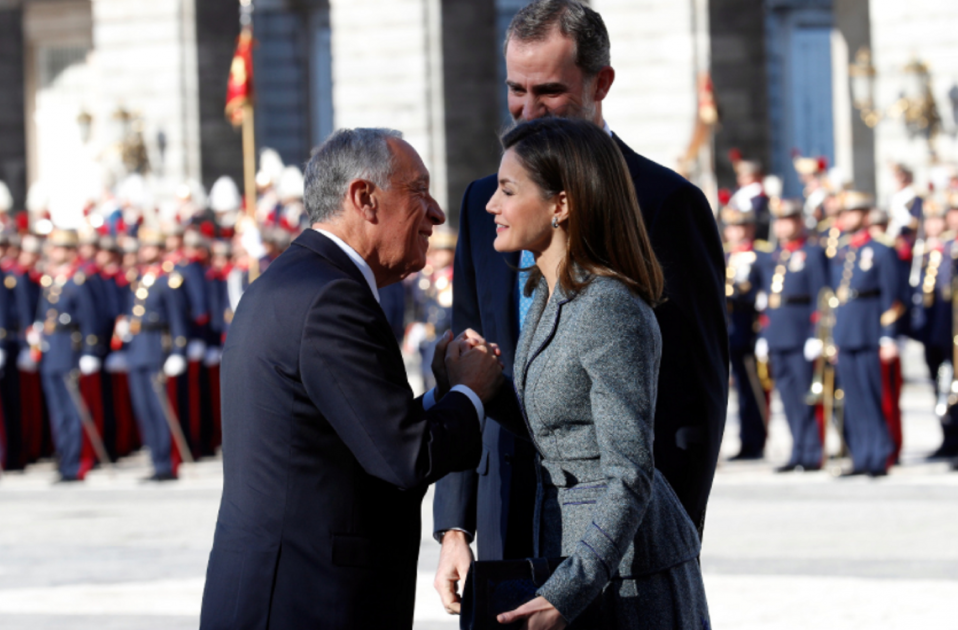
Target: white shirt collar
(605, 126)
(363, 266)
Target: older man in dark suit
(558, 64)
(326, 452)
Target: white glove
(122, 329)
(761, 350)
(25, 361)
(33, 334)
(116, 363)
(174, 366)
(813, 349)
(89, 364)
(3, 358)
(213, 356)
(195, 350)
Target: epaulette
(884, 239)
(843, 241)
(763, 246)
(79, 278)
(948, 236)
(175, 281)
(825, 224)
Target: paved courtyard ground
(780, 552)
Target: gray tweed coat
(586, 376)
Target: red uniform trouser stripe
(214, 375)
(172, 391)
(31, 413)
(194, 369)
(126, 429)
(891, 398)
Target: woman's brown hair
(607, 235)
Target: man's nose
(435, 213)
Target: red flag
(239, 89)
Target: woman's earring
(555, 223)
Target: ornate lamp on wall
(915, 105)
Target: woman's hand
(538, 613)
(467, 340)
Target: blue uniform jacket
(157, 313)
(864, 274)
(787, 319)
(9, 314)
(27, 298)
(68, 318)
(740, 292)
(931, 312)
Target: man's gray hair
(346, 155)
(583, 25)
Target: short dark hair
(607, 235)
(584, 26)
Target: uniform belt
(154, 327)
(66, 328)
(860, 295)
(797, 299)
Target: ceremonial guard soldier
(933, 318)
(740, 293)
(221, 315)
(905, 206)
(750, 194)
(13, 455)
(33, 410)
(94, 387)
(193, 404)
(432, 300)
(864, 274)
(791, 276)
(154, 328)
(66, 325)
(811, 172)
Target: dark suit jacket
(326, 455)
(693, 378)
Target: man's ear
(361, 196)
(603, 83)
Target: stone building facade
(78, 78)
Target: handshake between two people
(467, 360)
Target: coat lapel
(529, 349)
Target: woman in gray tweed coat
(586, 373)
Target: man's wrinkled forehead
(409, 168)
(539, 62)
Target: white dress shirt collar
(363, 266)
(605, 126)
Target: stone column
(854, 29)
(387, 72)
(13, 148)
(652, 104)
(471, 51)
(737, 34)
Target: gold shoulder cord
(778, 279)
(847, 273)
